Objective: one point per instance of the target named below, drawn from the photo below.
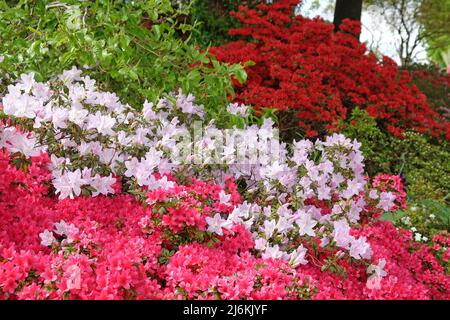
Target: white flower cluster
(238, 109)
(91, 137)
(61, 229)
(16, 141)
(331, 171)
(376, 272)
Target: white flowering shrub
(294, 194)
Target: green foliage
(394, 217)
(426, 166)
(137, 49)
(423, 162)
(375, 144)
(215, 20)
(426, 217)
(434, 16)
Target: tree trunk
(347, 9)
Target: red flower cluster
(115, 248)
(441, 246)
(303, 64)
(435, 78)
(412, 271)
(187, 206)
(195, 269)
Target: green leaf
(249, 63)
(393, 216)
(157, 31)
(241, 76)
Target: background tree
(435, 17)
(418, 26)
(416, 23)
(402, 16)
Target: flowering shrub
(435, 84)
(103, 201)
(389, 245)
(441, 244)
(302, 64)
(109, 248)
(393, 184)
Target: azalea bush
(316, 76)
(435, 84)
(120, 203)
(113, 248)
(94, 141)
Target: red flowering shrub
(114, 248)
(302, 64)
(436, 85)
(195, 269)
(419, 276)
(185, 207)
(441, 248)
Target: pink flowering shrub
(196, 271)
(114, 248)
(441, 248)
(412, 272)
(110, 248)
